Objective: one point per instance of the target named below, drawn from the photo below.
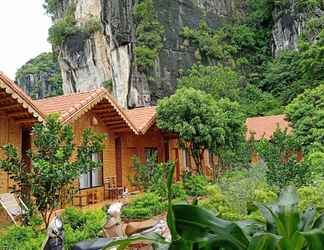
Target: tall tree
(306, 114)
(200, 122)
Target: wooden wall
(108, 154)
(10, 133)
(135, 145)
(131, 145)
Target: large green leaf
(283, 217)
(197, 224)
(170, 217)
(264, 241)
(295, 242)
(307, 219)
(315, 239)
(319, 222)
(157, 240)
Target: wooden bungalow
(264, 127)
(17, 114)
(129, 133)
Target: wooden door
(119, 171)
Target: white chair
(13, 206)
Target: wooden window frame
(102, 176)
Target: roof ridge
(266, 116)
(19, 93)
(71, 94)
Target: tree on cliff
(201, 122)
(224, 82)
(52, 169)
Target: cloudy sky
(23, 33)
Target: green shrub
(279, 155)
(92, 25)
(150, 204)
(63, 28)
(19, 237)
(145, 57)
(195, 185)
(51, 6)
(149, 35)
(79, 225)
(312, 195)
(146, 174)
(235, 195)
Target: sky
(23, 33)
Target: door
(119, 171)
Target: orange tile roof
(143, 118)
(67, 104)
(72, 106)
(264, 127)
(17, 93)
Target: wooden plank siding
(10, 133)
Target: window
(92, 178)
(150, 152)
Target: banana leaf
(200, 226)
(159, 243)
(314, 239)
(264, 241)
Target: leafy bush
(220, 82)
(19, 237)
(51, 6)
(63, 28)
(149, 176)
(312, 195)
(279, 155)
(306, 115)
(195, 185)
(149, 35)
(82, 225)
(236, 193)
(145, 57)
(255, 102)
(315, 162)
(92, 25)
(150, 204)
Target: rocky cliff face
(89, 61)
(289, 22)
(40, 77)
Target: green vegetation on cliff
(243, 48)
(67, 26)
(149, 35)
(41, 76)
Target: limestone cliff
(88, 61)
(40, 77)
(289, 22)
(107, 55)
